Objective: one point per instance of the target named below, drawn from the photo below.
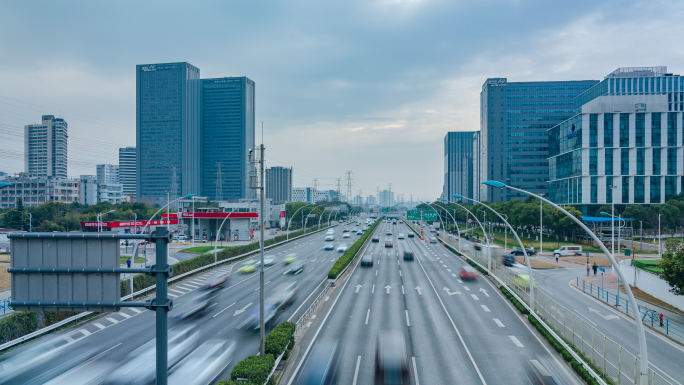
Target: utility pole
(219, 183)
(260, 187)
(315, 188)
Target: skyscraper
(127, 171)
(227, 126)
(514, 119)
(45, 147)
(279, 184)
(458, 163)
(107, 173)
(167, 130)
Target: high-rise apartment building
(107, 173)
(386, 198)
(127, 171)
(625, 145)
(458, 163)
(514, 120)
(279, 184)
(167, 130)
(371, 200)
(45, 147)
(227, 125)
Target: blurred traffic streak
(204, 364)
(140, 366)
(290, 258)
(281, 298)
(248, 266)
(13, 365)
(200, 301)
(322, 366)
(468, 272)
(296, 267)
(546, 371)
(391, 359)
(94, 371)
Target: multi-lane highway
(455, 331)
(112, 337)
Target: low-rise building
(35, 191)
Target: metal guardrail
(145, 290)
(648, 317)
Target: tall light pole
(99, 220)
(193, 221)
(218, 232)
(541, 219)
(287, 238)
(660, 239)
(640, 328)
(641, 235)
(262, 198)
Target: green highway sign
(430, 215)
(413, 215)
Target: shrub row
(256, 368)
(21, 323)
(517, 303)
(348, 255)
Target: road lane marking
(172, 295)
(516, 342)
(267, 283)
(485, 308)
(367, 315)
(402, 289)
(407, 319)
(99, 326)
(474, 297)
(449, 270)
(85, 332)
(400, 273)
(499, 323)
(356, 372)
(112, 320)
(136, 310)
(373, 291)
(310, 269)
(124, 315)
(466, 287)
(376, 273)
(223, 310)
(415, 370)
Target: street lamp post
(218, 232)
(541, 219)
(287, 237)
(643, 370)
(489, 256)
(641, 235)
(660, 239)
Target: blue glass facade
(514, 119)
(459, 166)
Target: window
(655, 130)
(608, 130)
(624, 130)
(671, 129)
(638, 189)
(625, 189)
(640, 161)
(594, 189)
(639, 130)
(593, 130)
(655, 190)
(609, 161)
(656, 161)
(624, 161)
(670, 187)
(593, 161)
(609, 189)
(671, 161)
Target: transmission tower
(315, 188)
(339, 181)
(349, 186)
(219, 183)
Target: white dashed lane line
(516, 342)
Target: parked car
(468, 272)
(518, 252)
(409, 256)
(568, 251)
(367, 260)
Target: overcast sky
(370, 86)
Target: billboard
(282, 216)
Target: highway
(455, 331)
(116, 335)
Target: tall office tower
(45, 148)
(107, 173)
(514, 120)
(227, 136)
(458, 164)
(625, 143)
(167, 131)
(279, 184)
(386, 198)
(370, 200)
(127, 171)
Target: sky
(368, 86)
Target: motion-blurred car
(269, 260)
(329, 246)
(359, 232)
(508, 260)
(523, 280)
(290, 258)
(346, 235)
(518, 252)
(217, 281)
(12, 365)
(375, 239)
(330, 237)
(389, 243)
(410, 235)
(477, 246)
(545, 371)
(322, 366)
(468, 272)
(391, 359)
(409, 256)
(342, 247)
(281, 298)
(296, 267)
(433, 240)
(248, 266)
(204, 364)
(367, 260)
(139, 366)
(389, 232)
(345, 230)
(197, 304)
(400, 236)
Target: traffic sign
(470, 220)
(430, 215)
(602, 270)
(587, 253)
(413, 215)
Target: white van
(568, 251)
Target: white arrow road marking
(605, 317)
(240, 311)
(485, 308)
(516, 342)
(419, 290)
(499, 323)
(388, 287)
(358, 287)
(449, 292)
(484, 292)
(474, 297)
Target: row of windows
(543, 111)
(557, 87)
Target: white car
(400, 236)
(389, 232)
(342, 247)
(346, 235)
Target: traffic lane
(487, 320)
(665, 356)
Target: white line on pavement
(136, 310)
(373, 291)
(466, 287)
(400, 273)
(499, 323)
(85, 332)
(172, 296)
(376, 273)
(415, 370)
(99, 326)
(112, 320)
(124, 315)
(367, 315)
(402, 289)
(516, 342)
(356, 372)
(407, 319)
(485, 308)
(223, 310)
(474, 297)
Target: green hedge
(21, 323)
(281, 338)
(517, 304)
(348, 255)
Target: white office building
(45, 148)
(107, 173)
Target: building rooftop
(642, 72)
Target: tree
(673, 269)
(15, 219)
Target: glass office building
(227, 136)
(624, 145)
(514, 121)
(127, 171)
(279, 184)
(167, 131)
(459, 166)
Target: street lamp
(287, 237)
(307, 216)
(218, 232)
(640, 328)
(99, 220)
(660, 239)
